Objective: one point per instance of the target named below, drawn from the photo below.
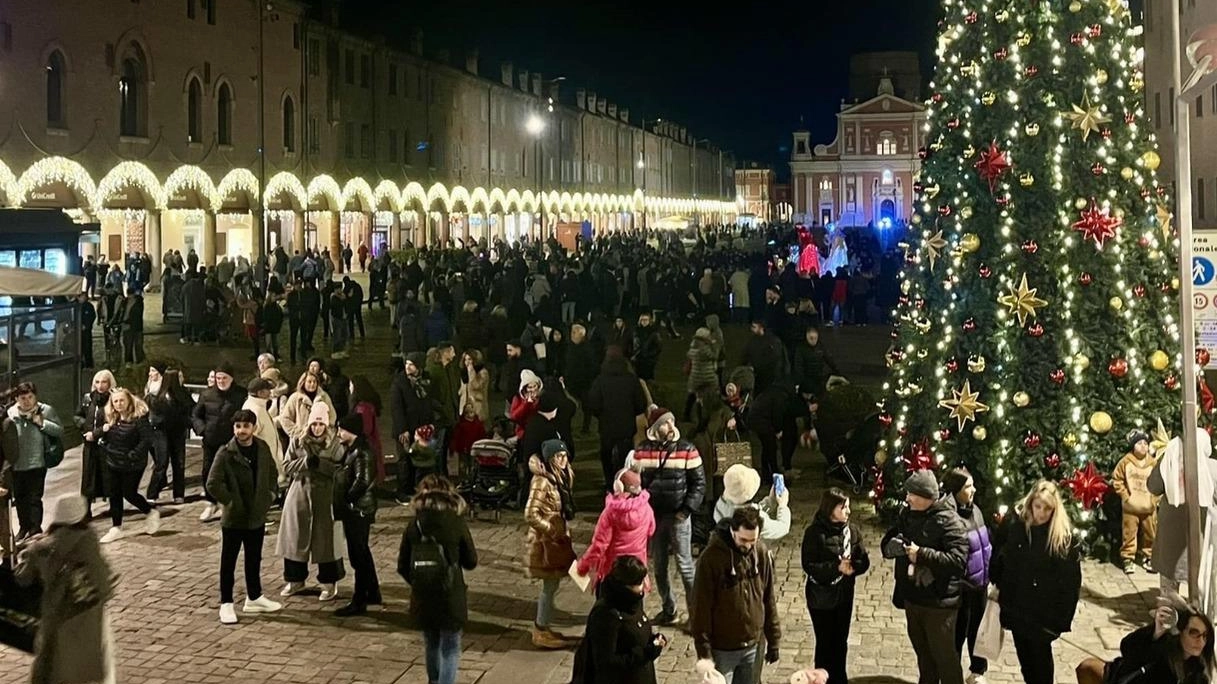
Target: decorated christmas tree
(1037, 318)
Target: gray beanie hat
(922, 483)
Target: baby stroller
(493, 483)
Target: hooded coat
(307, 533)
(616, 399)
(734, 599)
(619, 645)
(623, 529)
(937, 577)
(294, 416)
(703, 365)
(549, 552)
(440, 516)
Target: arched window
(56, 78)
(224, 115)
(133, 93)
(887, 145)
(194, 112)
(289, 124)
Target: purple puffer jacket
(980, 549)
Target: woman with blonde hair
(90, 418)
(126, 439)
(295, 414)
(1038, 573)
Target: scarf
(1172, 470)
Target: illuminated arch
(564, 202)
(357, 189)
(459, 195)
(529, 201)
(324, 191)
(438, 193)
(285, 183)
(135, 174)
(496, 199)
(551, 200)
(578, 202)
(8, 185)
(479, 198)
(413, 196)
(639, 200)
(387, 195)
(512, 201)
(196, 180)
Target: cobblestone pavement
(165, 613)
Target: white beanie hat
(527, 378)
(320, 413)
(740, 484)
(69, 509)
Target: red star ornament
(1087, 485)
(1096, 224)
(919, 457)
(992, 164)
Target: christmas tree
(1037, 319)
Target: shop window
(56, 75)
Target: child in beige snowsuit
(1140, 507)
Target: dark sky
(740, 77)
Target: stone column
(208, 257)
(395, 231)
(335, 246)
(152, 243)
(299, 219)
(257, 228)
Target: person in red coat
(624, 528)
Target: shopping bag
(989, 635)
(728, 453)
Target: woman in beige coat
(294, 416)
(475, 384)
(550, 552)
(307, 531)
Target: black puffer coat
(169, 410)
(616, 399)
(356, 474)
(938, 574)
(440, 516)
(1145, 660)
(1039, 590)
(823, 547)
(619, 647)
(212, 415)
(127, 444)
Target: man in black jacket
(812, 366)
(212, 418)
(765, 354)
(929, 570)
(310, 309)
(354, 302)
(357, 510)
(646, 348)
(616, 399)
(412, 408)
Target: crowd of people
(561, 336)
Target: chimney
(580, 98)
(471, 61)
(416, 42)
(536, 84)
(612, 110)
(601, 105)
(625, 115)
(591, 101)
(507, 70)
(524, 80)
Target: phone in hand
(779, 484)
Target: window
(391, 138)
(211, 10)
(392, 79)
(405, 146)
(56, 74)
(348, 140)
(190, 9)
(133, 93)
(365, 141)
(194, 111)
(350, 67)
(314, 57)
(887, 177)
(887, 146)
(365, 71)
(802, 147)
(224, 115)
(1199, 106)
(314, 138)
(289, 124)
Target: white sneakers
(974, 678)
(329, 592)
(228, 614)
(152, 524)
(112, 535)
(292, 588)
(261, 605)
(210, 512)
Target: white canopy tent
(29, 282)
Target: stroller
(493, 482)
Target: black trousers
(932, 633)
(971, 610)
(160, 463)
(86, 348)
(612, 458)
(831, 628)
(358, 529)
(307, 327)
(28, 488)
(124, 484)
(209, 457)
(232, 542)
(769, 456)
(327, 573)
(790, 442)
(133, 346)
(353, 318)
(1034, 657)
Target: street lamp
(535, 127)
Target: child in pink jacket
(624, 528)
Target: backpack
(430, 570)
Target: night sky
(741, 78)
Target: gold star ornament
(964, 405)
(1164, 220)
(1087, 117)
(1158, 439)
(1118, 8)
(934, 247)
(1021, 301)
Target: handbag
(727, 454)
(989, 636)
(822, 597)
(52, 450)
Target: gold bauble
(1100, 76)
(1153, 254)
(1081, 203)
(1070, 440)
(1024, 39)
(932, 191)
(1026, 180)
(906, 286)
(969, 152)
(1075, 6)
(1100, 422)
(1151, 160)
(966, 212)
(1033, 129)
(976, 364)
(979, 433)
(988, 98)
(1159, 360)
(1174, 283)
(1002, 16)
(969, 242)
(1137, 83)
(1116, 303)
(1127, 173)
(916, 219)
(880, 457)
(1081, 362)
(1022, 399)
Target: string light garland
(50, 170)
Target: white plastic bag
(989, 635)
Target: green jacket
(446, 390)
(231, 482)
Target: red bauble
(1087, 485)
(1171, 382)
(1202, 356)
(1085, 279)
(945, 210)
(1161, 192)
(919, 456)
(1031, 247)
(953, 123)
(1001, 55)
(1053, 460)
(1118, 368)
(1094, 31)
(1031, 441)
(1057, 376)
(879, 486)
(992, 164)
(1143, 241)
(923, 153)
(919, 302)
(1139, 290)
(971, 17)
(1002, 201)
(1097, 225)
(1130, 118)
(1031, 71)
(1145, 193)
(952, 365)
(985, 272)
(1077, 38)
(937, 97)
(1106, 133)
(1035, 330)
(969, 325)
(944, 434)
(904, 299)
(1098, 169)
(885, 419)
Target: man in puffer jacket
(672, 472)
(930, 546)
(212, 418)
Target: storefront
(43, 239)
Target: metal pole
(261, 237)
(1183, 174)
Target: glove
(771, 656)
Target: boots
(546, 639)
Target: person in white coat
(740, 484)
(259, 401)
(294, 416)
(1170, 548)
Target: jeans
(672, 537)
(1034, 657)
(327, 573)
(443, 655)
(568, 312)
(971, 610)
(28, 488)
(831, 628)
(932, 633)
(124, 484)
(357, 529)
(232, 541)
(733, 663)
(545, 603)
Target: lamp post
(263, 8)
(535, 127)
